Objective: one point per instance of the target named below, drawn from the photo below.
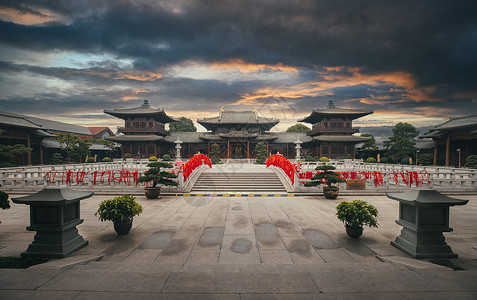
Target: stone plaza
(242, 248)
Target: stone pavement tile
(335, 255)
(258, 212)
(203, 257)
(96, 280)
(319, 239)
(274, 210)
(146, 267)
(37, 295)
(275, 256)
(440, 295)
(458, 281)
(239, 224)
(158, 296)
(218, 214)
(188, 282)
(157, 240)
(268, 237)
(238, 206)
(143, 255)
(239, 249)
(376, 279)
(301, 251)
(325, 296)
(176, 220)
(25, 279)
(212, 268)
(193, 225)
(176, 252)
(286, 228)
(356, 246)
(210, 238)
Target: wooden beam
(448, 150)
(29, 146)
(435, 152)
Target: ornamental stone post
(298, 147)
(178, 143)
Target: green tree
(75, 147)
(8, 153)
(298, 128)
(369, 148)
(215, 154)
(184, 125)
(261, 153)
(402, 143)
(108, 144)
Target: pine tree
(261, 152)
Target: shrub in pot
(121, 211)
(4, 203)
(355, 214)
(157, 177)
(330, 178)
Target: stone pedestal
(54, 215)
(424, 216)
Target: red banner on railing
(280, 161)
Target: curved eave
(158, 115)
(317, 116)
(341, 139)
(135, 138)
(211, 125)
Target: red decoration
(280, 161)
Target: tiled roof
(318, 114)
(145, 110)
(54, 144)
(135, 138)
(97, 130)
(12, 119)
(60, 126)
(458, 123)
(238, 117)
(341, 138)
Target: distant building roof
(12, 119)
(461, 123)
(98, 130)
(341, 138)
(135, 138)
(318, 114)
(291, 137)
(238, 118)
(143, 111)
(54, 144)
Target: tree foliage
(369, 148)
(261, 153)
(402, 143)
(357, 213)
(328, 176)
(471, 161)
(157, 176)
(298, 128)
(8, 153)
(75, 147)
(184, 125)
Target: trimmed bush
(405, 161)
(324, 159)
(91, 159)
(127, 155)
(153, 158)
(370, 160)
(215, 153)
(7, 165)
(166, 157)
(471, 161)
(107, 159)
(261, 152)
(424, 160)
(309, 158)
(384, 160)
(348, 156)
(4, 203)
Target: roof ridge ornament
(221, 111)
(145, 104)
(331, 104)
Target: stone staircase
(213, 182)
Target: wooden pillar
(435, 152)
(208, 149)
(329, 151)
(228, 148)
(267, 149)
(345, 150)
(321, 150)
(248, 149)
(29, 146)
(448, 150)
(155, 150)
(41, 154)
(354, 151)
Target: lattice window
(432, 217)
(408, 213)
(70, 212)
(46, 215)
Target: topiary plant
(424, 160)
(370, 160)
(127, 155)
(324, 159)
(261, 152)
(357, 213)
(166, 157)
(309, 158)
(4, 203)
(331, 178)
(153, 158)
(405, 161)
(471, 161)
(91, 159)
(157, 176)
(106, 159)
(215, 154)
(384, 160)
(56, 158)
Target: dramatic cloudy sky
(412, 61)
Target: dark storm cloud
(434, 40)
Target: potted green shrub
(157, 177)
(121, 211)
(331, 191)
(4, 203)
(355, 214)
(166, 157)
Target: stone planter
(331, 192)
(354, 232)
(122, 228)
(152, 192)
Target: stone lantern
(298, 147)
(424, 216)
(54, 215)
(178, 143)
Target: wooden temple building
(237, 133)
(453, 138)
(332, 133)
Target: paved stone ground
(241, 248)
